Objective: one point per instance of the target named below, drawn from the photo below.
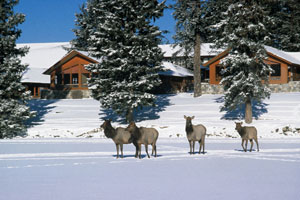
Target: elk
(195, 133)
(144, 136)
(118, 135)
(247, 133)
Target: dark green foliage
(13, 109)
(243, 33)
(121, 34)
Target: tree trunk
(197, 64)
(248, 111)
(129, 115)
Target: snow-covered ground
(51, 162)
(277, 117)
(86, 168)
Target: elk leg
(193, 147)
(203, 144)
(140, 151)
(190, 147)
(251, 141)
(117, 145)
(146, 149)
(246, 144)
(256, 144)
(155, 150)
(200, 146)
(136, 149)
(243, 144)
(121, 145)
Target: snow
(42, 166)
(87, 169)
(73, 117)
(293, 57)
(206, 50)
(35, 75)
(175, 70)
(43, 55)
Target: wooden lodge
(285, 65)
(67, 77)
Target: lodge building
(56, 73)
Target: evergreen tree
(190, 33)
(13, 97)
(121, 33)
(243, 33)
(285, 32)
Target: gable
(70, 61)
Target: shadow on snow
(41, 107)
(258, 109)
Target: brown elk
(144, 136)
(118, 135)
(247, 133)
(195, 133)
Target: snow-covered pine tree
(190, 32)
(285, 32)
(244, 34)
(122, 34)
(13, 97)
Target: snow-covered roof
(35, 75)
(171, 69)
(206, 50)
(40, 57)
(293, 57)
(43, 55)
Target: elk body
(118, 135)
(144, 136)
(247, 133)
(195, 133)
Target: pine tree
(190, 33)
(243, 33)
(13, 97)
(121, 33)
(285, 32)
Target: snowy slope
(73, 117)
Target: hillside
(277, 117)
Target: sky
(53, 20)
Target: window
(277, 70)
(67, 79)
(84, 78)
(58, 79)
(75, 79)
(219, 69)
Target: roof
(42, 56)
(288, 57)
(69, 56)
(171, 69)
(206, 50)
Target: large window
(67, 78)
(276, 70)
(75, 79)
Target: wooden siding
(73, 66)
(282, 79)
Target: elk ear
(110, 120)
(241, 123)
(184, 117)
(193, 117)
